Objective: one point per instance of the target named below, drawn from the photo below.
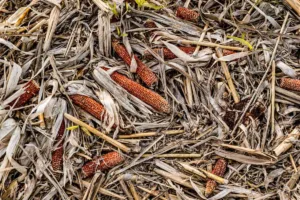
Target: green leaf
(241, 40)
(127, 6)
(140, 3)
(153, 6)
(145, 3)
(70, 128)
(113, 8)
(118, 31)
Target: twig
(295, 4)
(192, 169)
(214, 177)
(287, 143)
(200, 40)
(176, 179)
(263, 78)
(125, 189)
(175, 155)
(133, 191)
(225, 69)
(98, 133)
(273, 98)
(151, 192)
(149, 134)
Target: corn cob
(148, 96)
(143, 71)
(57, 154)
(31, 89)
(168, 54)
(102, 163)
(291, 84)
(187, 14)
(89, 105)
(219, 170)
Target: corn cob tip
(102, 163)
(187, 14)
(290, 84)
(31, 89)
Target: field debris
(149, 99)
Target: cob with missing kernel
(89, 105)
(31, 89)
(102, 163)
(57, 154)
(219, 170)
(143, 71)
(168, 54)
(187, 14)
(148, 96)
(290, 84)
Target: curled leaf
(70, 128)
(242, 41)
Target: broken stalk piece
(98, 133)
(226, 72)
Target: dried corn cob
(187, 14)
(31, 89)
(102, 163)
(89, 105)
(143, 71)
(57, 154)
(168, 54)
(291, 84)
(219, 170)
(148, 96)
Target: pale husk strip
(52, 23)
(229, 80)
(104, 191)
(149, 134)
(98, 133)
(173, 155)
(287, 143)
